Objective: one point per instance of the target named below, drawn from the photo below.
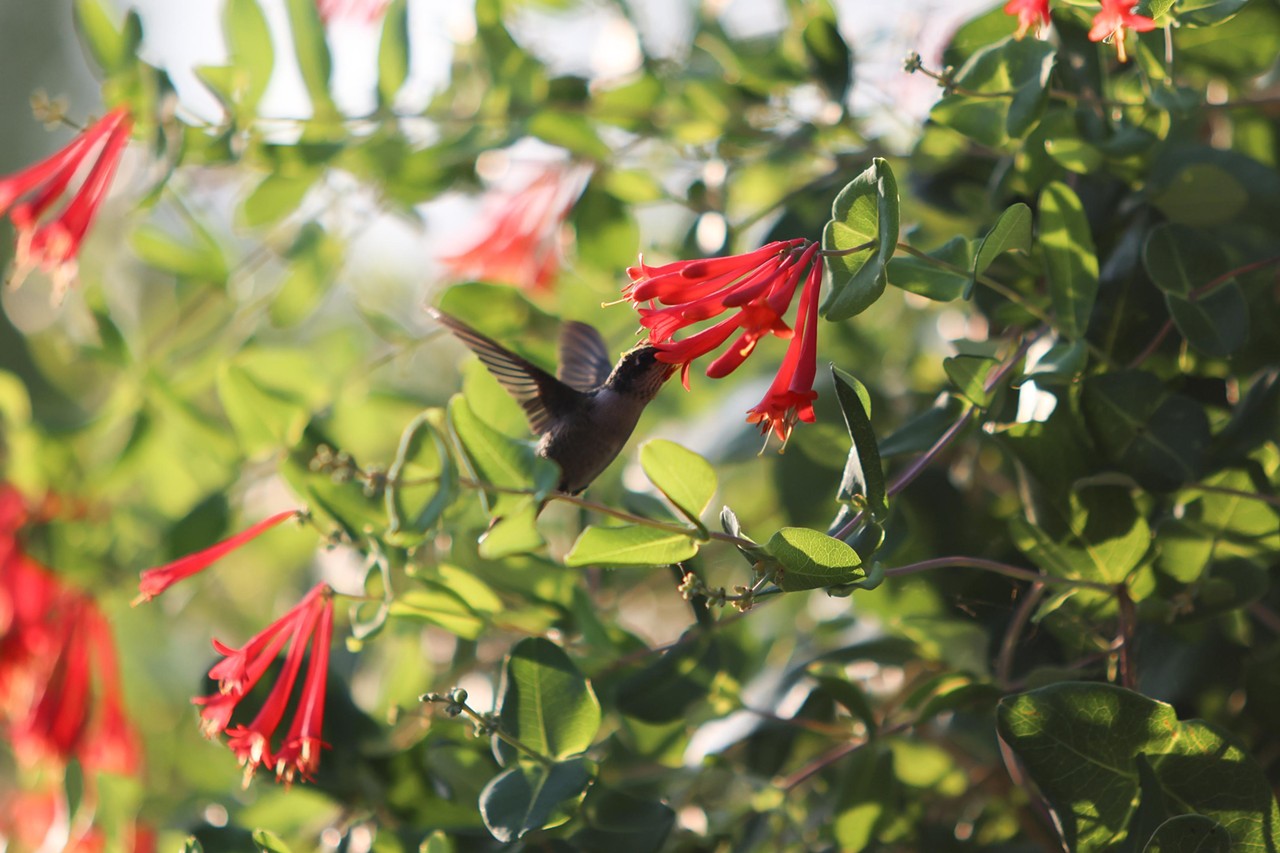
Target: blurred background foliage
(1095, 395)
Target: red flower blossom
(1031, 13)
(758, 288)
(1111, 22)
(791, 395)
(52, 241)
(309, 622)
(362, 11)
(524, 231)
(152, 582)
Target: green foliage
(1043, 615)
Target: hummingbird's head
(640, 373)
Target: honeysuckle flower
(1113, 19)
(152, 582)
(362, 11)
(521, 243)
(1031, 14)
(51, 240)
(756, 290)
(790, 397)
(310, 622)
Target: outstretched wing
(541, 395)
(584, 359)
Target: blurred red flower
(1031, 14)
(52, 240)
(524, 231)
(758, 288)
(363, 11)
(1111, 22)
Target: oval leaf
(811, 560)
(630, 545)
(1071, 263)
(687, 480)
(546, 702)
(865, 211)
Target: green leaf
(684, 477)
(669, 687)
(251, 56)
(1102, 540)
(311, 48)
(571, 131)
(113, 48)
(501, 461)
(1180, 259)
(525, 798)
(314, 259)
(265, 418)
(1206, 13)
(393, 52)
(863, 473)
(828, 55)
(1080, 743)
(268, 842)
(1011, 231)
(436, 842)
(1216, 324)
(274, 198)
(621, 823)
(192, 845)
(546, 703)
(940, 282)
(1063, 362)
(514, 532)
(812, 560)
(630, 545)
(1189, 833)
(969, 373)
(438, 605)
(865, 211)
(421, 482)
(993, 116)
(1071, 264)
(1157, 437)
(203, 261)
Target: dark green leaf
(501, 461)
(1103, 540)
(1189, 833)
(631, 545)
(969, 373)
(546, 703)
(1012, 231)
(1080, 744)
(620, 823)
(669, 687)
(863, 473)
(941, 282)
(811, 560)
(684, 477)
(526, 797)
(1217, 324)
(827, 52)
(1071, 264)
(865, 211)
(1157, 437)
(1011, 78)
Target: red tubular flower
(791, 395)
(1031, 13)
(309, 622)
(52, 242)
(152, 582)
(1111, 22)
(522, 237)
(362, 11)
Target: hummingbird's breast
(584, 444)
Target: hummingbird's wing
(584, 359)
(541, 395)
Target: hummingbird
(583, 415)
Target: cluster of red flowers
(522, 240)
(758, 287)
(60, 688)
(310, 622)
(1109, 23)
(49, 240)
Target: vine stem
(1009, 643)
(603, 509)
(1016, 572)
(822, 762)
(914, 470)
(1204, 289)
(487, 724)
